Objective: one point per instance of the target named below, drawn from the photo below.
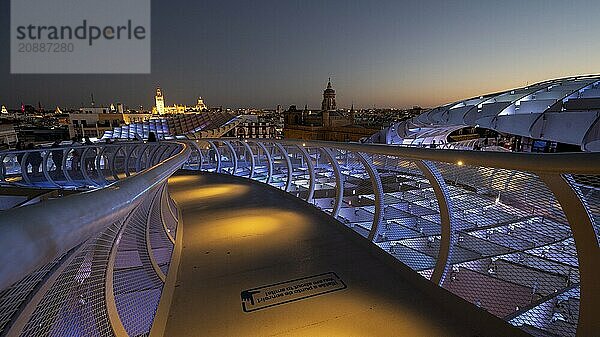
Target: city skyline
(396, 55)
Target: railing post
(288, 162)
(127, 158)
(45, 169)
(84, 169)
(2, 168)
(247, 147)
(64, 165)
(339, 181)
(588, 252)
(442, 195)
(24, 165)
(199, 151)
(269, 162)
(234, 156)
(218, 154)
(311, 172)
(98, 160)
(377, 191)
(113, 162)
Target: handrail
(574, 163)
(35, 235)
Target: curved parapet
(92, 166)
(93, 262)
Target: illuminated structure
(161, 108)
(565, 110)
(513, 234)
(208, 124)
(200, 105)
(4, 111)
(160, 102)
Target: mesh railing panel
(169, 211)
(75, 304)
(137, 288)
(15, 297)
(512, 244)
(588, 189)
(162, 247)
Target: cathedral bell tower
(329, 98)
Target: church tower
(200, 105)
(160, 102)
(329, 98)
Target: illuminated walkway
(241, 235)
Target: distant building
(8, 135)
(4, 111)
(161, 108)
(328, 103)
(200, 105)
(160, 102)
(327, 124)
(253, 126)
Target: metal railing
(93, 263)
(514, 234)
(81, 166)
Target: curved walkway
(242, 235)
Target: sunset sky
(378, 53)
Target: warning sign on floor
(289, 291)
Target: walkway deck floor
(239, 235)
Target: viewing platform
(239, 234)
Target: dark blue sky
(382, 53)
